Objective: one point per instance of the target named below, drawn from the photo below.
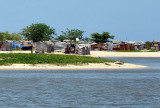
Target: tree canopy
(73, 34)
(60, 38)
(38, 32)
(101, 38)
(7, 36)
(148, 45)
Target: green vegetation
(148, 45)
(42, 32)
(152, 50)
(7, 36)
(14, 49)
(101, 38)
(73, 34)
(61, 38)
(38, 32)
(6, 59)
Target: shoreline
(90, 66)
(124, 54)
(103, 53)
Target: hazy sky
(136, 20)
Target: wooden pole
(31, 49)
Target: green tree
(7, 36)
(1, 36)
(16, 36)
(101, 38)
(60, 38)
(73, 34)
(38, 32)
(148, 45)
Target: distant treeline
(9, 36)
(42, 32)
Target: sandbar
(90, 66)
(84, 66)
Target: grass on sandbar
(6, 59)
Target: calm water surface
(138, 88)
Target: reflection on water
(138, 88)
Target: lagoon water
(136, 88)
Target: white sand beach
(71, 67)
(105, 53)
(124, 54)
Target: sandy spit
(84, 67)
(71, 67)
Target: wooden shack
(5, 46)
(126, 47)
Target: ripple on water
(80, 89)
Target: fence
(42, 47)
(5, 46)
